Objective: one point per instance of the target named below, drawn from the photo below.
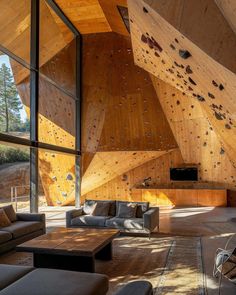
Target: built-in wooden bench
(185, 196)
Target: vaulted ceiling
(166, 91)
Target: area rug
(172, 264)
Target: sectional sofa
(22, 227)
(144, 220)
(26, 280)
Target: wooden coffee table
(71, 248)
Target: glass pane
(56, 116)
(57, 49)
(57, 175)
(14, 98)
(14, 177)
(15, 27)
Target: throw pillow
(101, 209)
(10, 212)
(4, 220)
(127, 210)
(89, 206)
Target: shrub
(11, 155)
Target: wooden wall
(120, 188)
(196, 137)
(196, 55)
(134, 125)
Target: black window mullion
(34, 103)
(78, 120)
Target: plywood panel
(228, 9)
(183, 197)
(196, 137)
(120, 105)
(87, 16)
(108, 165)
(157, 46)
(113, 16)
(121, 187)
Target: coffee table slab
(71, 248)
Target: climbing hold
(214, 83)
(222, 151)
(200, 98)
(189, 70)
(144, 38)
(221, 87)
(191, 81)
(145, 10)
(184, 53)
(69, 177)
(219, 116)
(211, 95)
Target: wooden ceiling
(93, 16)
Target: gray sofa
(23, 227)
(146, 219)
(25, 280)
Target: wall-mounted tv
(184, 174)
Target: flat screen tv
(184, 174)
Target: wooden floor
(213, 225)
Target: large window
(39, 104)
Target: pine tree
(10, 104)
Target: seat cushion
(89, 206)
(21, 228)
(5, 236)
(11, 214)
(89, 220)
(55, 282)
(11, 273)
(122, 223)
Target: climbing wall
(121, 187)
(197, 61)
(167, 99)
(120, 106)
(196, 138)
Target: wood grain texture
(87, 16)
(113, 16)
(182, 197)
(228, 9)
(120, 108)
(120, 188)
(203, 76)
(196, 137)
(108, 165)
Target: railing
(15, 194)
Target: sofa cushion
(4, 220)
(101, 209)
(122, 223)
(142, 207)
(11, 214)
(55, 282)
(21, 228)
(89, 220)
(5, 236)
(89, 206)
(126, 210)
(11, 273)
